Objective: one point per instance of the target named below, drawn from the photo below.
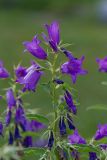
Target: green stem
(53, 92)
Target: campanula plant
(27, 134)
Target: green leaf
(97, 107)
(33, 134)
(38, 118)
(34, 152)
(85, 148)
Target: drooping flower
(35, 49)
(70, 122)
(27, 142)
(17, 133)
(10, 139)
(71, 106)
(93, 156)
(8, 117)
(53, 35)
(73, 68)
(75, 138)
(30, 80)
(62, 126)
(102, 64)
(50, 140)
(3, 72)
(1, 128)
(11, 102)
(101, 132)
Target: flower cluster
(62, 136)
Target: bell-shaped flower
(71, 106)
(10, 139)
(53, 35)
(8, 117)
(62, 126)
(30, 80)
(11, 102)
(93, 156)
(73, 68)
(50, 140)
(35, 49)
(101, 132)
(75, 138)
(3, 72)
(70, 122)
(102, 64)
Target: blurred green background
(84, 24)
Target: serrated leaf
(97, 107)
(38, 118)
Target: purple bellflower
(70, 122)
(30, 80)
(20, 72)
(3, 72)
(17, 133)
(35, 49)
(92, 156)
(73, 68)
(53, 35)
(27, 142)
(76, 138)
(68, 98)
(11, 139)
(50, 140)
(101, 132)
(8, 117)
(1, 129)
(62, 126)
(102, 64)
(11, 102)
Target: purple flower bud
(70, 122)
(101, 132)
(76, 138)
(8, 117)
(11, 139)
(53, 35)
(73, 68)
(58, 81)
(1, 129)
(3, 72)
(27, 142)
(102, 64)
(35, 49)
(93, 156)
(68, 54)
(17, 133)
(11, 102)
(62, 126)
(50, 140)
(69, 101)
